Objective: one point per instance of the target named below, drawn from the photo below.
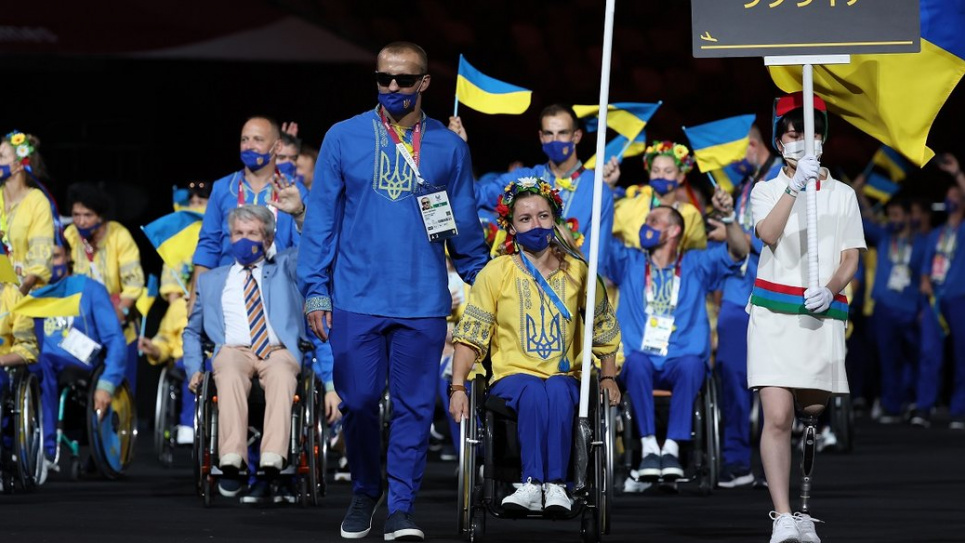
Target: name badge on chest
(436, 212)
(899, 278)
(80, 346)
(656, 334)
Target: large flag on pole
(487, 95)
(896, 97)
(720, 143)
(628, 119)
(175, 236)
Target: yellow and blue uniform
(536, 352)
(16, 331)
(116, 264)
(943, 253)
(28, 233)
(630, 212)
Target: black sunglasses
(404, 80)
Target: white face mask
(794, 150)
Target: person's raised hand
(289, 198)
(949, 164)
(611, 172)
(455, 124)
(290, 128)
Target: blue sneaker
(258, 494)
(229, 487)
(734, 476)
(358, 519)
(400, 527)
(649, 469)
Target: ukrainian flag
(895, 98)
(175, 236)
(879, 187)
(621, 147)
(61, 299)
(7, 275)
(893, 164)
(147, 297)
(626, 118)
(487, 95)
(720, 143)
(730, 176)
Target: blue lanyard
(541, 281)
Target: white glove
(807, 168)
(818, 300)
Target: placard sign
(758, 28)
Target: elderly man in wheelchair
(251, 311)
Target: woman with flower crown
(668, 164)
(524, 310)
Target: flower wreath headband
(21, 145)
(533, 185)
(677, 151)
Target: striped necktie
(257, 321)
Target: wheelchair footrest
(289, 470)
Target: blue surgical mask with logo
(663, 186)
(535, 239)
(649, 237)
(57, 272)
(5, 172)
(247, 252)
(254, 161)
(951, 206)
(398, 104)
(88, 233)
(559, 151)
(287, 169)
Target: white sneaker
(528, 497)
(185, 435)
(557, 501)
(827, 439)
(785, 528)
(631, 486)
(805, 526)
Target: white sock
(650, 445)
(670, 447)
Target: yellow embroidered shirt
(175, 281)
(510, 317)
(168, 338)
(117, 261)
(17, 331)
(631, 212)
(30, 233)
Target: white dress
(797, 349)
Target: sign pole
(812, 194)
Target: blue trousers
(897, 337)
(682, 376)
(186, 416)
(51, 366)
(933, 353)
(735, 398)
(545, 411)
(443, 384)
(368, 351)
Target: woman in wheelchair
(524, 310)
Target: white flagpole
(812, 194)
(597, 204)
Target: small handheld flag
(720, 143)
(487, 95)
(175, 236)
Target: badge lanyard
(412, 159)
(649, 286)
(744, 211)
(899, 251)
(545, 287)
(947, 242)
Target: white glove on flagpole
(818, 300)
(807, 168)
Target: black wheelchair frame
(20, 409)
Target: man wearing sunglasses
(372, 269)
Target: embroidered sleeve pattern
(475, 329)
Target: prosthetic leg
(807, 463)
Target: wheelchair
(702, 464)
(308, 444)
(22, 435)
(166, 410)
(111, 439)
(489, 454)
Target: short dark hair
(559, 109)
(275, 127)
(288, 139)
(93, 197)
(676, 218)
(795, 119)
(407, 46)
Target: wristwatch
(454, 388)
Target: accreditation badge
(656, 335)
(80, 346)
(437, 216)
(900, 277)
(939, 268)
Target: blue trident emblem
(543, 344)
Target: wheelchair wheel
(311, 443)
(712, 429)
(590, 526)
(112, 437)
(467, 521)
(321, 436)
(608, 437)
(205, 444)
(165, 417)
(29, 446)
(842, 422)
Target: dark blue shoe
(400, 527)
(358, 519)
(229, 487)
(670, 468)
(258, 494)
(649, 469)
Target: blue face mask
(58, 272)
(950, 206)
(663, 186)
(88, 232)
(247, 252)
(535, 239)
(744, 167)
(398, 104)
(5, 172)
(649, 237)
(254, 161)
(559, 151)
(287, 169)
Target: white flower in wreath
(23, 151)
(527, 182)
